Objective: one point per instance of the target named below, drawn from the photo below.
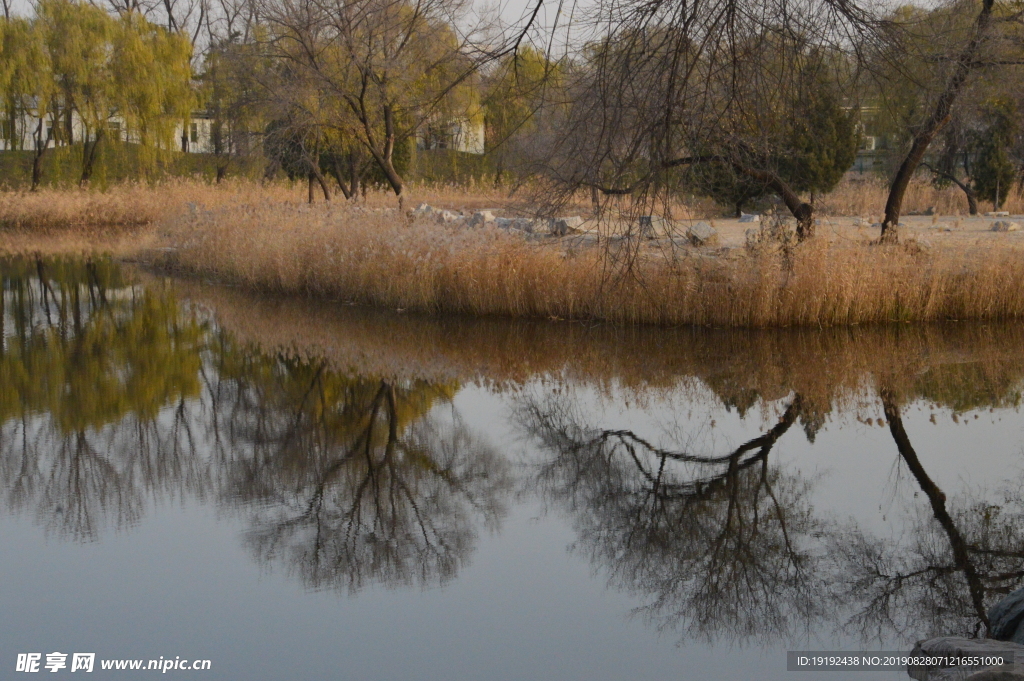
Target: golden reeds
(267, 238)
(378, 257)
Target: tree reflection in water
(111, 394)
(958, 558)
(95, 376)
(722, 544)
(729, 547)
(351, 481)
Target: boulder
(652, 226)
(481, 218)
(523, 224)
(1005, 618)
(955, 645)
(744, 217)
(702, 234)
(503, 223)
(752, 237)
(1005, 226)
(446, 217)
(563, 226)
(424, 209)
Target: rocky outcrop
(946, 646)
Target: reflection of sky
(526, 607)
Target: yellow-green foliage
(102, 354)
(25, 67)
(76, 58)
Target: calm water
(316, 491)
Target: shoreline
(947, 268)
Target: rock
(1005, 226)
(1005, 618)
(523, 224)
(446, 217)
(744, 217)
(930, 210)
(563, 226)
(752, 237)
(481, 218)
(862, 222)
(424, 209)
(702, 234)
(503, 223)
(955, 645)
(652, 226)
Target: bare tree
(661, 87)
(386, 66)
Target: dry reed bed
(138, 205)
(961, 366)
(379, 258)
(866, 197)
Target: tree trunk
(37, 158)
(335, 171)
(309, 184)
(802, 211)
(323, 185)
(384, 156)
(89, 150)
(965, 63)
(355, 176)
(965, 186)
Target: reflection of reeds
(379, 258)
(958, 365)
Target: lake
(296, 489)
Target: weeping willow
(75, 76)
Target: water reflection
(719, 543)
(960, 556)
(87, 364)
(115, 394)
(729, 546)
(348, 481)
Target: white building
(198, 140)
(460, 134)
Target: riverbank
(381, 258)
(371, 253)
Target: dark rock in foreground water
(1006, 616)
(944, 646)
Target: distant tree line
(732, 99)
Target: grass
(378, 257)
(268, 239)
